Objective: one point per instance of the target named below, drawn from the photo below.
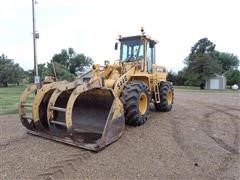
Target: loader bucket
(83, 116)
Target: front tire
(166, 97)
(136, 99)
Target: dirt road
(198, 139)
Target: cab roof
(137, 38)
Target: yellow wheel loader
(92, 115)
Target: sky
(93, 26)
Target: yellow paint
(169, 97)
(39, 97)
(23, 98)
(142, 103)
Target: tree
(203, 46)
(61, 71)
(181, 77)
(233, 77)
(10, 72)
(228, 61)
(201, 63)
(42, 72)
(62, 58)
(47, 70)
(177, 78)
(16, 75)
(72, 61)
(172, 77)
(80, 63)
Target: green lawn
(9, 97)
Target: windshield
(131, 50)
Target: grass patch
(197, 89)
(9, 98)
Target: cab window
(132, 50)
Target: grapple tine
(40, 103)
(27, 121)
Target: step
(58, 109)
(157, 95)
(26, 105)
(58, 123)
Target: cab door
(150, 56)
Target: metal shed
(216, 82)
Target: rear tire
(136, 99)
(166, 97)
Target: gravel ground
(198, 139)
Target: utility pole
(35, 37)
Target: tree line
(10, 72)
(203, 62)
(67, 64)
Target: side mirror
(106, 62)
(116, 46)
(151, 44)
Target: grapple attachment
(83, 115)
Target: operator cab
(137, 48)
(132, 48)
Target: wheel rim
(169, 97)
(142, 103)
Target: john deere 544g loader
(92, 115)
